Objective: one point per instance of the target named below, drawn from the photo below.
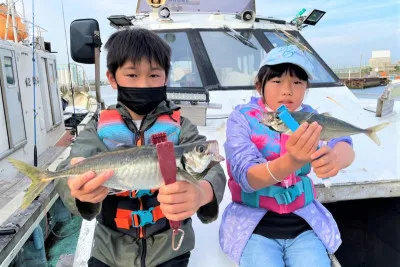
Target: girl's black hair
(267, 73)
(134, 45)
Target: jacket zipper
(142, 236)
(141, 231)
(143, 259)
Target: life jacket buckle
(141, 193)
(288, 195)
(144, 217)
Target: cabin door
(50, 95)
(11, 98)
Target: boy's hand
(325, 162)
(303, 142)
(181, 200)
(88, 186)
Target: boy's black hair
(134, 45)
(267, 73)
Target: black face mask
(141, 100)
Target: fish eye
(200, 149)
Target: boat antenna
(35, 158)
(74, 121)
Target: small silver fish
(134, 168)
(331, 127)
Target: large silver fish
(331, 127)
(134, 168)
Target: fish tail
(39, 178)
(371, 132)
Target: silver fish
(331, 127)
(134, 168)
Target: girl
(275, 219)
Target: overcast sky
(348, 33)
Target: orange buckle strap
(123, 219)
(124, 194)
(136, 193)
(139, 218)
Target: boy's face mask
(141, 100)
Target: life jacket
(294, 192)
(136, 213)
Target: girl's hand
(325, 162)
(303, 143)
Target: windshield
(321, 75)
(183, 71)
(235, 63)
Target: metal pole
(23, 11)
(97, 71)
(77, 78)
(34, 80)
(13, 21)
(8, 20)
(97, 76)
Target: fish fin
(115, 191)
(115, 146)
(312, 113)
(39, 178)
(122, 147)
(187, 177)
(371, 132)
(327, 114)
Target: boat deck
(11, 195)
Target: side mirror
(85, 36)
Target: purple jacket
(239, 221)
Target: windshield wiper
(290, 39)
(237, 36)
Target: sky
(344, 37)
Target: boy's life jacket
(294, 192)
(135, 213)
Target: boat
(216, 50)
(32, 130)
(217, 47)
(24, 99)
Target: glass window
(234, 62)
(184, 72)
(51, 74)
(9, 70)
(321, 75)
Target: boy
(138, 64)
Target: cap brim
(277, 62)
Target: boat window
(51, 74)
(321, 75)
(183, 72)
(9, 70)
(235, 61)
